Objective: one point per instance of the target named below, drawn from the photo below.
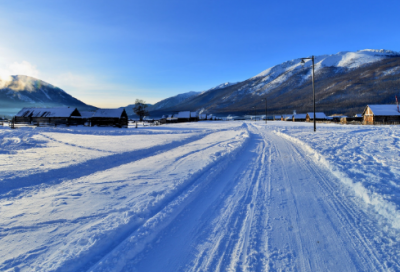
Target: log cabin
(47, 116)
(109, 117)
(319, 116)
(381, 115)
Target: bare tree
(140, 109)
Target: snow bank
(356, 160)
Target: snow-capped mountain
(172, 101)
(181, 98)
(20, 91)
(345, 82)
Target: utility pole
(313, 87)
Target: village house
(285, 117)
(319, 116)
(171, 119)
(381, 115)
(183, 116)
(202, 116)
(47, 116)
(109, 117)
(194, 116)
(301, 117)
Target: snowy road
(238, 198)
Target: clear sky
(108, 53)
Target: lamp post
(313, 88)
(265, 109)
(254, 109)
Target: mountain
(172, 101)
(20, 91)
(129, 109)
(344, 83)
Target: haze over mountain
(344, 82)
(20, 91)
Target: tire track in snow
(351, 239)
(12, 187)
(354, 221)
(139, 238)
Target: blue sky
(108, 53)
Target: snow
(278, 73)
(46, 112)
(300, 116)
(86, 114)
(202, 196)
(183, 114)
(319, 115)
(384, 110)
(108, 113)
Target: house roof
(108, 113)
(318, 115)
(300, 116)
(193, 114)
(384, 110)
(46, 112)
(184, 114)
(87, 114)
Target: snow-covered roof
(384, 110)
(87, 114)
(358, 115)
(319, 115)
(184, 114)
(300, 116)
(47, 112)
(193, 114)
(108, 113)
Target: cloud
(24, 68)
(18, 68)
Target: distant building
(109, 117)
(381, 114)
(50, 116)
(319, 116)
(286, 117)
(194, 116)
(301, 117)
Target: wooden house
(286, 117)
(301, 117)
(336, 118)
(183, 116)
(84, 119)
(109, 117)
(47, 116)
(381, 115)
(194, 116)
(319, 116)
(171, 119)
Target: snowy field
(205, 196)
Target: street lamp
(254, 109)
(265, 109)
(313, 88)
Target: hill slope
(19, 91)
(345, 82)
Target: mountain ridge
(287, 86)
(20, 91)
